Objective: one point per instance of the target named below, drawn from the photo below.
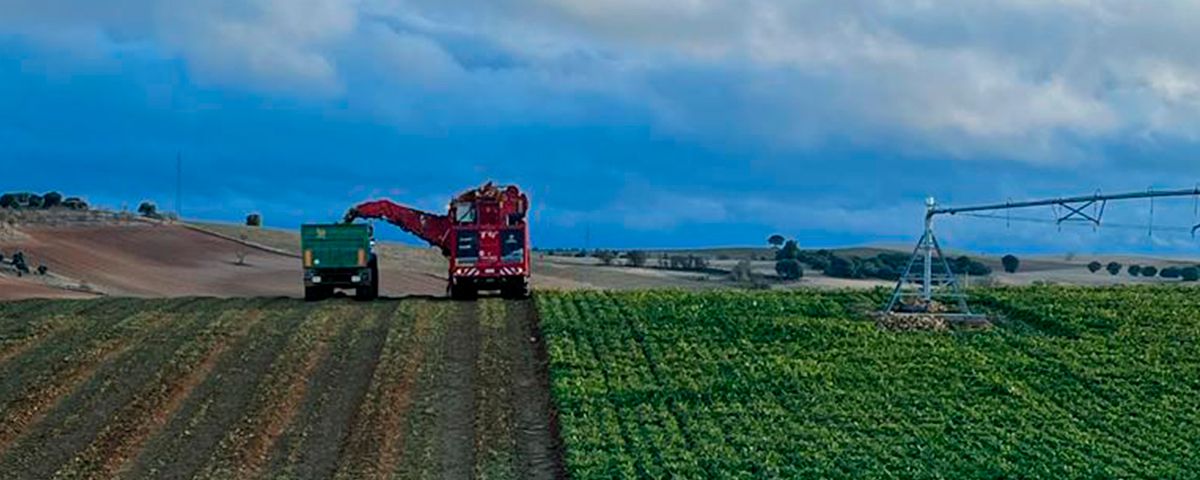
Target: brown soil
(412, 388)
(151, 260)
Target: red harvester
(485, 236)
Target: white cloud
(1028, 80)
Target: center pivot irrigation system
(928, 285)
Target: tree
(1011, 263)
(742, 272)
(1190, 274)
(1149, 271)
(148, 209)
(789, 269)
(790, 251)
(840, 268)
(637, 258)
(1135, 270)
(776, 240)
(1170, 273)
(606, 256)
(1095, 266)
(51, 199)
(254, 220)
(1114, 268)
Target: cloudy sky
(632, 123)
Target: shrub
(1169, 272)
(789, 269)
(790, 251)
(8, 200)
(1011, 263)
(840, 268)
(1094, 266)
(742, 272)
(1114, 268)
(148, 209)
(1150, 271)
(1135, 270)
(51, 199)
(605, 256)
(637, 258)
(254, 220)
(1190, 274)
(776, 240)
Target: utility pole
(179, 184)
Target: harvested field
(272, 388)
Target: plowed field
(273, 388)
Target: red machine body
(485, 235)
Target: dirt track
(243, 388)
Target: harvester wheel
(518, 291)
(463, 292)
(371, 291)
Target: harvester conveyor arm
(432, 228)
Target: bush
(742, 272)
(1170, 273)
(1114, 268)
(148, 209)
(1011, 263)
(790, 251)
(840, 268)
(637, 258)
(1094, 266)
(776, 240)
(1150, 271)
(605, 256)
(8, 200)
(254, 220)
(967, 265)
(1190, 274)
(1135, 270)
(789, 269)
(36, 201)
(75, 203)
(52, 199)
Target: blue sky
(632, 123)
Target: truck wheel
(315, 294)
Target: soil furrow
(244, 450)
(338, 387)
(539, 448)
(373, 448)
(495, 432)
(458, 415)
(74, 369)
(123, 438)
(189, 439)
(76, 416)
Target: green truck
(339, 256)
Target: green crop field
(1073, 383)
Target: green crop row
(1071, 383)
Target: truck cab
(339, 256)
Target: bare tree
(242, 249)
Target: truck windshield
(464, 213)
